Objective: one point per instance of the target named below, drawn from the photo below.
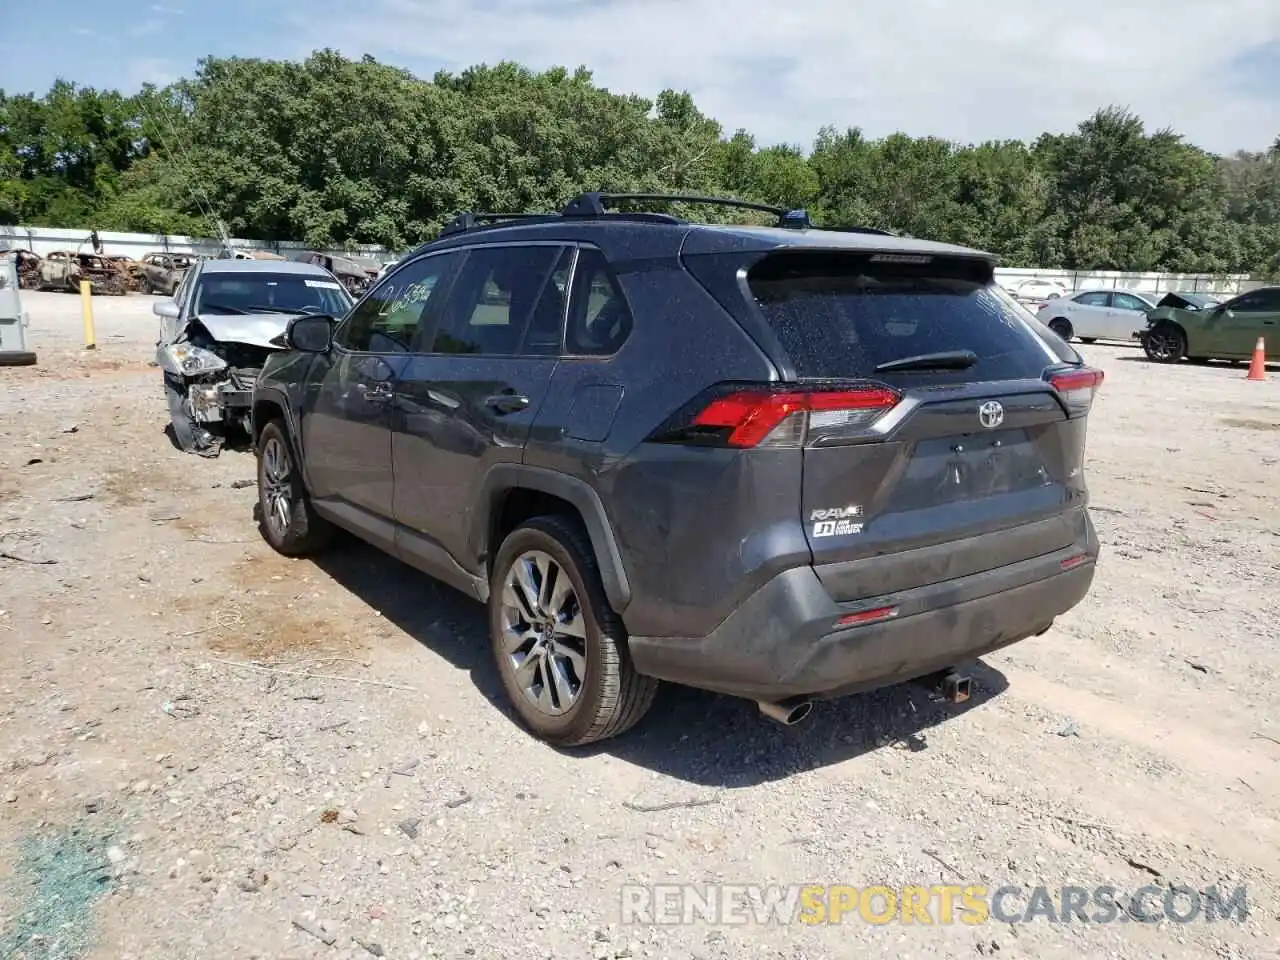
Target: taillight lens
(780, 417)
(1077, 387)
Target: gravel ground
(161, 796)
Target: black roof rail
(470, 221)
(596, 204)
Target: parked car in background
(28, 264)
(163, 272)
(860, 461)
(1227, 331)
(1096, 314)
(64, 269)
(226, 318)
(129, 268)
(1038, 289)
(347, 271)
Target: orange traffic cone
(1258, 365)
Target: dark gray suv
(782, 463)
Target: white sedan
(1037, 289)
(1097, 314)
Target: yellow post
(86, 310)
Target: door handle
(378, 393)
(507, 402)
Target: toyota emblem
(991, 414)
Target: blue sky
(780, 68)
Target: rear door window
(599, 318)
(1097, 298)
(498, 292)
(840, 316)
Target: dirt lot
(161, 799)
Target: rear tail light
(1077, 387)
(768, 416)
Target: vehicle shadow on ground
(689, 735)
(1237, 365)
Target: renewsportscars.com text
(814, 904)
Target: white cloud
(784, 68)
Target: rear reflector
(783, 418)
(1077, 387)
(1072, 562)
(867, 616)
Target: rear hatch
(940, 422)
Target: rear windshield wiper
(944, 360)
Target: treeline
(333, 151)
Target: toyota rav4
(782, 463)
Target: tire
(1088, 339)
(1061, 326)
(1165, 343)
(17, 358)
(286, 518)
(611, 696)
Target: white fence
(1073, 280)
(44, 240)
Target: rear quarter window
(839, 316)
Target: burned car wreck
(216, 332)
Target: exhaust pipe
(788, 712)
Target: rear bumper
(783, 641)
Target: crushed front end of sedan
(216, 333)
(210, 368)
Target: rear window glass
(840, 316)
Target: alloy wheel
(544, 632)
(1164, 345)
(277, 486)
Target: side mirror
(310, 334)
(165, 308)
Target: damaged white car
(218, 329)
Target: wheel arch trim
(505, 477)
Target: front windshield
(232, 293)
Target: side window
(386, 321)
(1256, 301)
(1098, 298)
(498, 292)
(184, 287)
(545, 329)
(599, 319)
(1127, 301)
(1270, 300)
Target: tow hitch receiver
(947, 685)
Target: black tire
(286, 518)
(612, 696)
(1165, 343)
(17, 358)
(1062, 327)
(1088, 339)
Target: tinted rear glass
(840, 316)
